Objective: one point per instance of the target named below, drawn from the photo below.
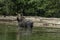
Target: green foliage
(46, 8)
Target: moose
(24, 23)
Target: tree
(46, 8)
(25, 6)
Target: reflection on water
(9, 36)
(34, 36)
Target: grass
(39, 33)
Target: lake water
(8, 36)
(38, 34)
(34, 36)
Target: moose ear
(19, 15)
